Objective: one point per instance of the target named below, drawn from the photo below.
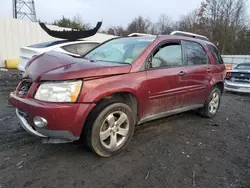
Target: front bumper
(65, 121)
(237, 87)
(27, 126)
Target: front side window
(169, 55)
(122, 50)
(195, 53)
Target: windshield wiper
(91, 60)
(113, 62)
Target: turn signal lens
(228, 66)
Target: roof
(188, 34)
(185, 38)
(247, 63)
(166, 37)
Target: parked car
(238, 79)
(75, 48)
(121, 83)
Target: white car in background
(75, 48)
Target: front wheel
(212, 104)
(111, 129)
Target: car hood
(58, 66)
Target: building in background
(16, 33)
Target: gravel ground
(179, 151)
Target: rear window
(216, 54)
(243, 67)
(48, 44)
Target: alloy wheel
(114, 130)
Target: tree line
(224, 22)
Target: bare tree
(139, 25)
(164, 25)
(224, 19)
(118, 31)
(188, 22)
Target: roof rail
(187, 34)
(139, 35)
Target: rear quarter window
(216, 54)
(83, 48)
(70, 48)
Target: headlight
(66, 91)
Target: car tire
(114, 120)
(212, 104)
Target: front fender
(94, 90)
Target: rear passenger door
(198, 73)
(165, 78)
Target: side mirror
(149, 62)
(150, 58)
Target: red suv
(123, 82)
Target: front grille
(241, 75)
(233, 87)
(24, 87)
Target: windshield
(243, 67)
(122, 50)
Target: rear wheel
(110, 128)
(212, 104)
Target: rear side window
(216, 54)
(85, 47)
(70, 48)
(47, 44)
(195, 53)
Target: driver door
(166, 79)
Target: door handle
(182, 73)
(208, 70)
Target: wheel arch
(126, 97)
(220, 85)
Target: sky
(111, 12)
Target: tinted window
(243, 67)
(70, 48)
(169, 55)
(215, 54)
(83, 48)
(122, 50)
(196, 55)
(48, 44)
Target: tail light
(33, 59)
(228, 75)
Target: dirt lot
(180, 151)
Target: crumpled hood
(58, 66)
